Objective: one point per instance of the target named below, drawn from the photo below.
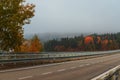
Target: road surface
(73, 70)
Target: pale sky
(75, 16)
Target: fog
(75, 16)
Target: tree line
(93, 42)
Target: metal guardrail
(113, 74)
(12, 57)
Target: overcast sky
(75, 16)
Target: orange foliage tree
(104, 44)
(88, 39)
(98, 39)
(33, 45)
(89, 43)
(25, 46)
(36, 45)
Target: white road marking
(46, 73)
(25, 77)
(61, 70)
(101, 61)
(39, 66)
(87, 64)
(72, 67)
(98, 61)
(93, 62)
(81, 65)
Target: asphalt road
(73, 70)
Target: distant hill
(49, 36)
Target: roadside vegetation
(14, 14)
(31, 45)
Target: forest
(93, 42)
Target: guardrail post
(54, 58)
(118, 75)
(114, 77)
(15, 56)
(48, 55)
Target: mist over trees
(93, 42)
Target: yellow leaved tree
(33, 45)
(36, 45)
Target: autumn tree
(25, 46)
(36, 45)
(13, 15)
